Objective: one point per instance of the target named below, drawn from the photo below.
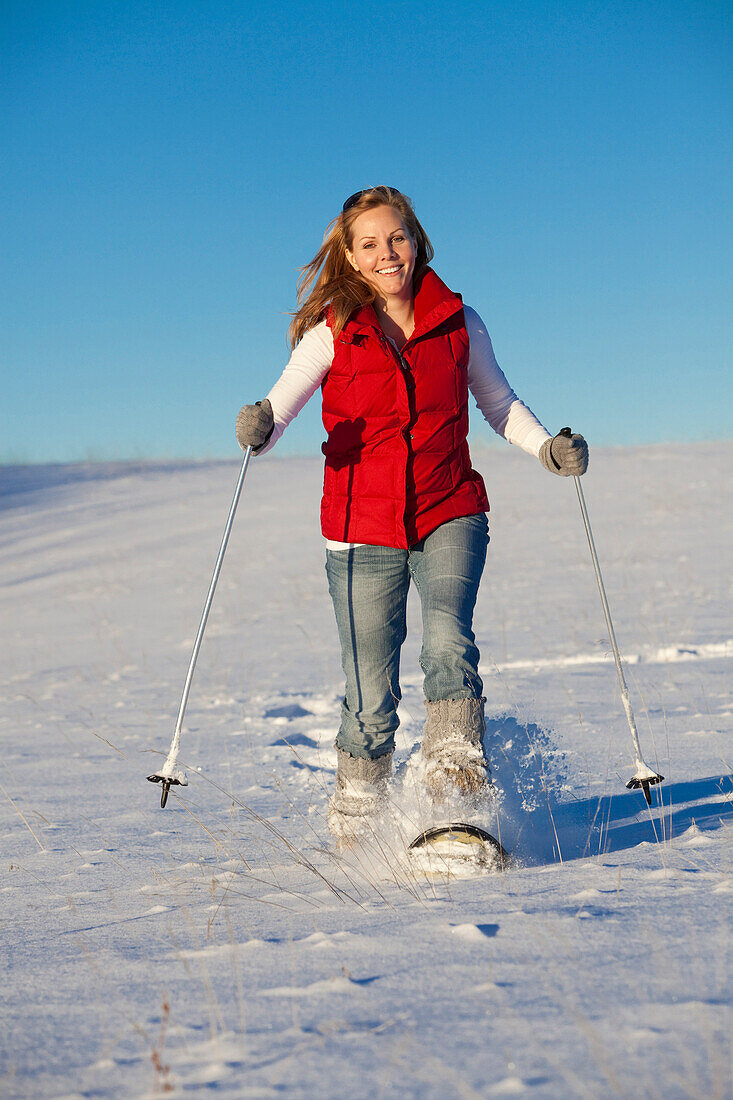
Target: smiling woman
(396, 354)
(384, 254)
(336, 280)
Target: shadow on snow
(24, 485)
(541, 824)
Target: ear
(352, 261)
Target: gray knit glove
(565, 454)
(255, 424)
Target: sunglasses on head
(353, 199)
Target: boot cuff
(362, 769)
(453, 722)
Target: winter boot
(361, 792)
(452, 747)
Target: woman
(396, 353)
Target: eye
(398, 237)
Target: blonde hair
(330, 280)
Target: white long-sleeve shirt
(497, 401)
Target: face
(383, 252)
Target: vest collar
(434, 302)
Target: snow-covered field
(220, 946)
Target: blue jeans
(369, 586)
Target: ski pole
(644, 777)
(170, 775)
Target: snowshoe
(458, 847)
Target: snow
(221, 946)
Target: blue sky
(168, 168)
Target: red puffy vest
(397, 461)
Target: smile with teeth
(389, 270)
